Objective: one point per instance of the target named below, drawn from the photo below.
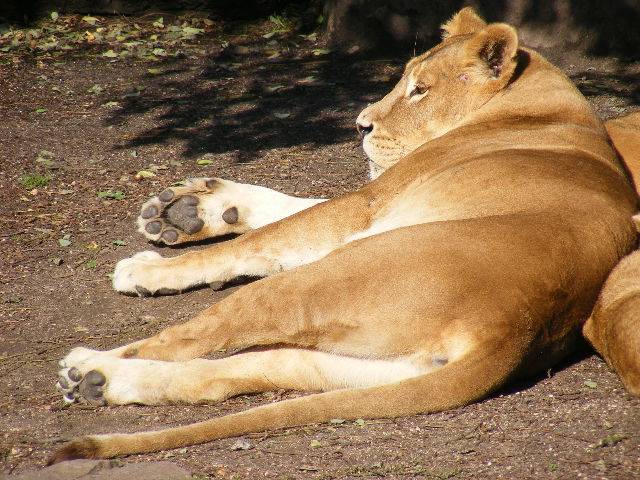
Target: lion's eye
(419, 89)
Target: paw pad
(76, 388)
(174, 215)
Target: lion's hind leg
(102, 379)
(402, 390)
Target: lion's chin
(379, 163)
(375, 170)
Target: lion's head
(439, 89)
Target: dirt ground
(282, 120)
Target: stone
(106, 470)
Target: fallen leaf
(281, 115)
(54, 16)
(336, 421)
(111, 104)
(95, 89)
(92, 264)
(321, 51)
(204, 162)
(154, 71)
(108, 194)
(65, 241)
(360, 422)
(89, 20)
(314, 444)
(119, 243)
(40, 110)
(274, 88)
(188, 31)
(110, 54)
(590, 384)
(144, 174)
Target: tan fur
(476, 255)
(614, 326)
(625, 135)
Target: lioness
(496, 211)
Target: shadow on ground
(246, 103)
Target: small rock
(241, 444)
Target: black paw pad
(190, 200)
(166, 195)
(167, 291)
(230, 215)
(184, 215)
(143, 292)
(153, 227)
(74, 374)
(96, 378)
(170, 236)
(91, 388)
(149, 212)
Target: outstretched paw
(99, 378)
(200, 209)
(76, 387)
(142, 274)
(78, 381)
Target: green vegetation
(34, 180)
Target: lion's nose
(364, 128)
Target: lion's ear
(462, 23)
(495, 48)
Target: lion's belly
(440, 289)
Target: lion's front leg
(297, 240)
(210, 207)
